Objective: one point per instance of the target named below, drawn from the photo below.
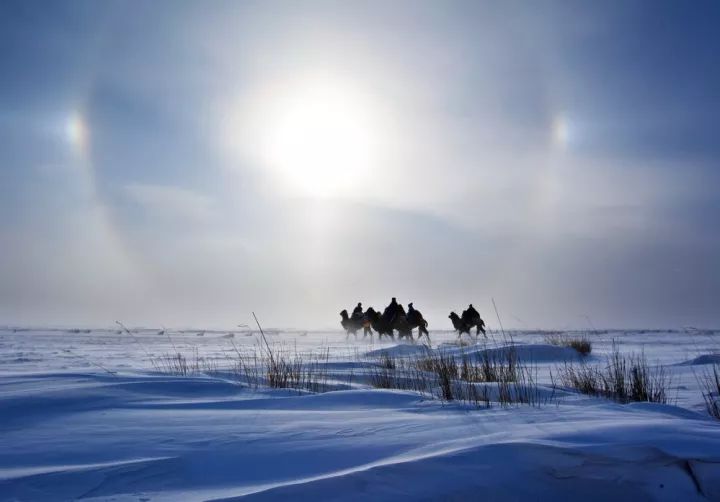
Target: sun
(320, 137)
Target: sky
(187, 163)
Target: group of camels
(395, 318)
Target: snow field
(89, 416)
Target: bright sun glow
(319, 137)
(77, 133)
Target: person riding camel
(416, 320)
(471, 315)
(358, 311)
(411, 313)
(391, 311)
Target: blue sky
(189, 162)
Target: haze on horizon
(186, 163)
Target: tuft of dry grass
(387, 362)
(624, 379)
(581, 344)
(466, 378)
(177, 363)
(710, 385)
(285, 369)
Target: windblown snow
(89, 416)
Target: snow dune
(72, 431)
(522, 352)
(197, 438)
(703, 359)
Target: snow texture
(86, 416)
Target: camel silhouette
(416, 320)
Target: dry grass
(477, 378)
(277, 367)
(281, 368)
(581, 344)
(177, 363)
(624, 379)
(710, 385)
(473, 379)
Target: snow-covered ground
(87, 415)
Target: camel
(416, 320)
(400, 323)
(378, 323)
(394, 318)
(471, 317)
(468, 320)
(352, 324)
(459, 325)
(390, 321)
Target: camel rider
(400, 310)
(358, 311)
(471, 314)
(411, 312)
(391, 311)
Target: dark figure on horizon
(416, 320)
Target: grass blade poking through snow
(710, 386)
